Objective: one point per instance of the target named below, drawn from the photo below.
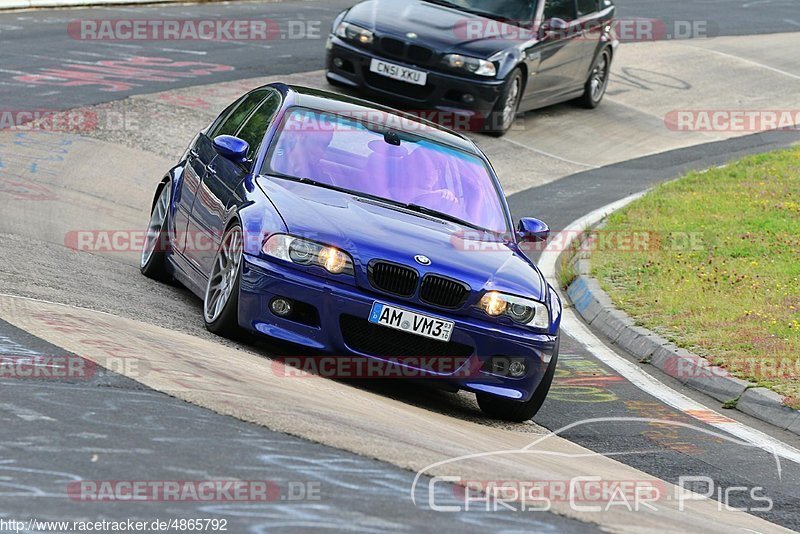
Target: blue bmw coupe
(359, 231)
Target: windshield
(511, 10)
(407, 169)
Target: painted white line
(90, 54)
(549, 155)
(26, 414)
(750, 61)
(244, 43)
(120, 45)
(9, 71)
(178, 50)
(573, 326)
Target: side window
(561, 9)
(236, 114)
(256, 126)
(586, 7)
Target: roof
(371, 112)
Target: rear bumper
(343, 307)
(444, 93)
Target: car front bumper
(444, 93)
(341, 305)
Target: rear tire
(595, 87)
(221, 302)
(156, 245)
(506, 108)
(519, 412)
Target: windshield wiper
(416, 208)
(444, 3)
(310, 181)
(440, 214)
(495, 16)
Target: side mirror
(530, 230)
(232, 148)
(553, 27)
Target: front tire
(595, 88)
(155, 249)
(221, 301)
(519, 412)
(505, 109)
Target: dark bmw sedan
(479, 60)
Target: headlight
(523, 311)
(351, 32)
(304, 252)
(481, 67)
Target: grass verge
(712, 262)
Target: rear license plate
(398, 72)
(409, 321)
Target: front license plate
(409, 321)
(398, 72)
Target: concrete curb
(596, 308)
(7, 5)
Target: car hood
(442, 28)
(369, 229)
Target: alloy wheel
(599, 78)
(223, 274)
(510, 107)
(156, 228)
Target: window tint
(355, 155)
(256, 126)
(561, 9)
(586, 7)
(236, 117)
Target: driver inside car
(301, 153)
(427, 188)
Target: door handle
(212, 169)
(194, 153)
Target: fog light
(468, 98)
(499, 365)
(280, 307)
(337, 62)
(517, 368)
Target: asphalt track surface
(37, 43)
(59, 432)
(100, 429)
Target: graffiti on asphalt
(121, 75)
(578, 379)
